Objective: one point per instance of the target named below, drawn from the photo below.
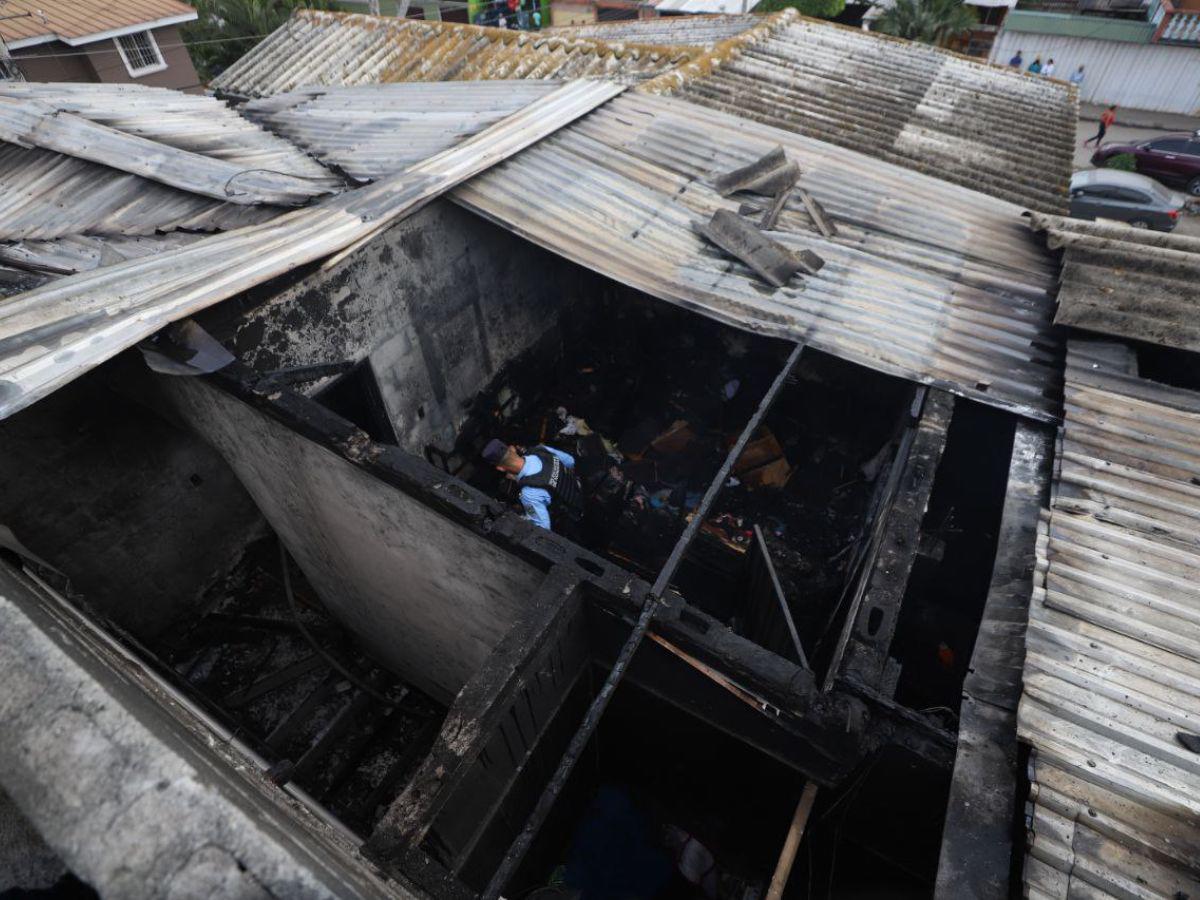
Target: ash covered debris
(298, 691)
(647, 399)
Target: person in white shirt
(1048, 68)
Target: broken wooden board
(737, 237)
(738, 179)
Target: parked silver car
(1126, 197)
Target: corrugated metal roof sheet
(687, 31)
(1112, 670)
(1124, 281)
(991, 129)
(81, 253)
(53, 334)
(71, 20)
(925, 279)
(321, 48)
(47, 195)
(193, 143)
(373, 130)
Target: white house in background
(1134, 55)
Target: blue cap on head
(495, 451)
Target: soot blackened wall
(439, 303)
(139, 515)
(427, 597)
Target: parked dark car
(1173, 159)
(1126, 197)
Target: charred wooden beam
(275, 680)
(977, 843)
(476, 713)
(874, 611)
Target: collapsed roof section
(907, 103)
(1112, 671)
(85, 168)
(321, 48)
(53, 334)
(1130, 283)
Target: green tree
(927, 21)
(227, 29)
(819, 9)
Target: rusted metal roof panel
(1112, 670)
(76, 20)
(323, 48)
(924, 280)
(1127, 282)
(53, 334)
(991, 129)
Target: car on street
(1173, 159)
(1126, 197)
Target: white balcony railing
(1175, 26)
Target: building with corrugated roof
(112, 42)
(275, 625)
(921, 107)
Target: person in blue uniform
(547, 480)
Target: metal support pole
(520, 845)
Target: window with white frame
(140, 53)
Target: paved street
(1143, 125)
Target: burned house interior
(776, 586)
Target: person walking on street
(1048, 69)
(1017, 61)
(1107, 118)
(1077, 77)
(1035, 67)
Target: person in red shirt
(1106, 119)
